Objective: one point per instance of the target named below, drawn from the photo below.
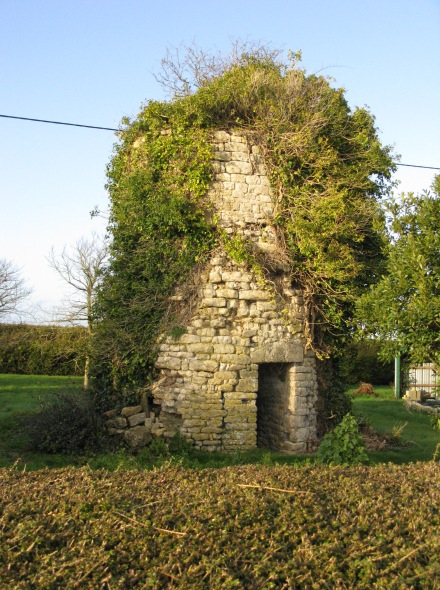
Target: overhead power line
(416, 166)
(59, 123)
(113, 129)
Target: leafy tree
(13, 290)
(81, 268)
(325, 163)
(403, 308)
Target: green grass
(21, 394)
(385, 413)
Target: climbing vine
(328, 171)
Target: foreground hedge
(241, 527)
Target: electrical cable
(113, 129)
(59, 123)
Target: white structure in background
(423, 379)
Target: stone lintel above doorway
(279, 352)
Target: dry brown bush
(365, 389)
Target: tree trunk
(87, 373)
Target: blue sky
(92, 62)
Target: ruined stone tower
(240, 376)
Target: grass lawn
(385, 413)
(20, 394)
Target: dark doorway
(272, 405)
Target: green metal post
(397, 384)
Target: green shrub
(435, 421)
(67, 422)
(344, 445)
(158, 448)
(180, 446)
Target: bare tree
(80, 266)
(12, 288)
(186, 68)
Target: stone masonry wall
(218, 382)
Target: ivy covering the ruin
(328, 171)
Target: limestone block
(191, 422)
(110, 414)
(294, 447)
(219, 322)
(247, 385)
(413, 394)
(234, 276)
(241, 360)
(258, 189)
(237, 147)
(239, 167)
(137, 437)
(208, 366)
(199, 436)
(223, 176)
(214, 415)
(115, 431)
(249, 374)
(248, 398)
(268, 315)
(223, 339)
(221, 136)
(221, 376)
(243, 312)
(266, 305)
(206, 332)
(131, 410)
(302, 434)
(215, 277)
(223, 156)
(167, 362)
(278, 352)
(227, 293)
(120, 422)
(224, 349)
(137, 419)
(238, 428)
(240, 157)
(227, 385)
(200, 347)
(189, 338)
(212, 429)
(209, 291)
(213, 302)
(254, 295)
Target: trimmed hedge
(42, 350)
(240, 527)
